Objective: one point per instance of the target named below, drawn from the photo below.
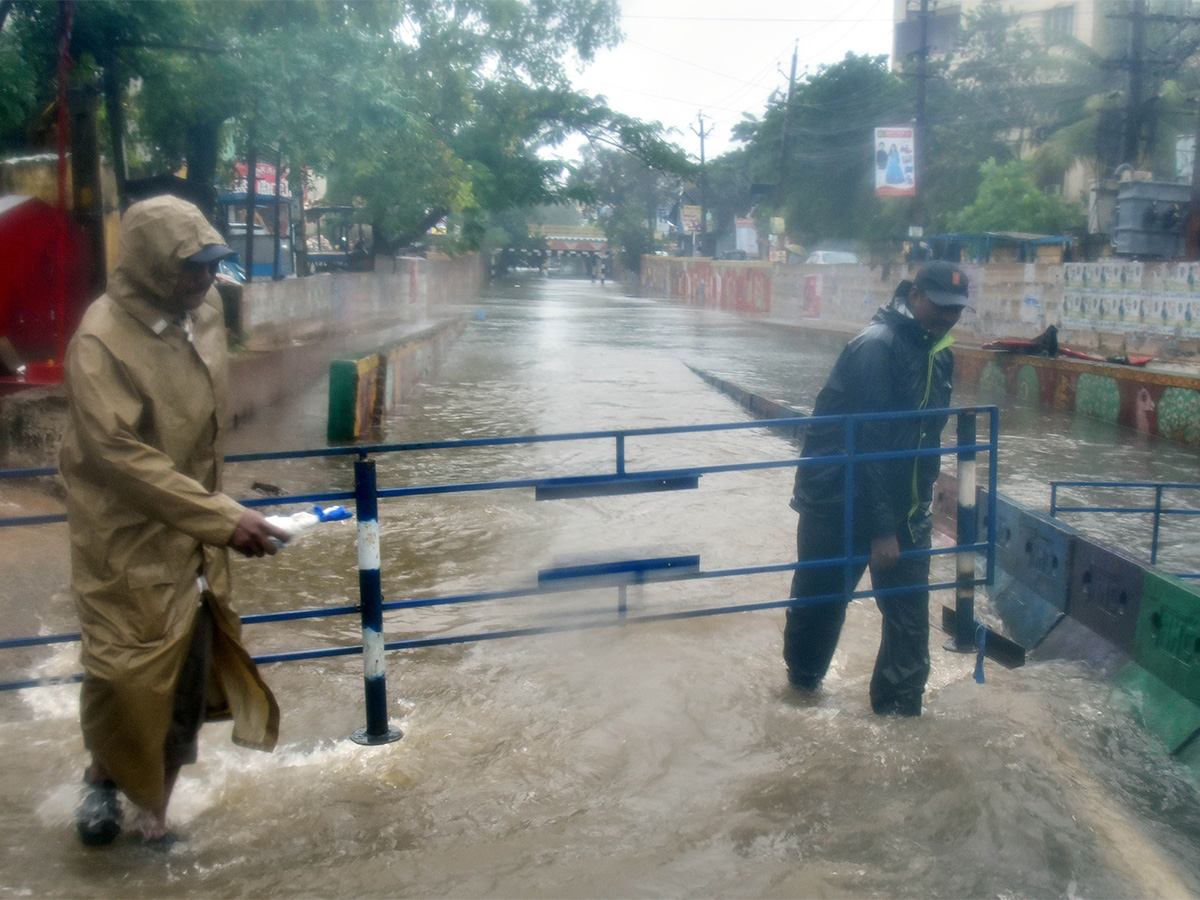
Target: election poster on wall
(895, 163)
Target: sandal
(98, 819)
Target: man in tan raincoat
(149, 526)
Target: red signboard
(264, 182)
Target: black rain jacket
(893, 364)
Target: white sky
(722, 57)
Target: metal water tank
(1147, 219)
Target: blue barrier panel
(1033, 562)
(623, 571)
(555, 580)
(1036, 550)
(1106, 591)
(1027, 617)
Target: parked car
(822, 257)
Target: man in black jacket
(899, 362)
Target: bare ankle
(95, 773)
(151, 826)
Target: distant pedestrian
(901, 361)
(149, 525)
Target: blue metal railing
(1157, 511)
(618, 573)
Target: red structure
(45, 273)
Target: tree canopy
(1010, 200)
(417, 110)
(426, 110)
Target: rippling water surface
(659, 760)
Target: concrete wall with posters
(1112, 307)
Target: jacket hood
(897, 314)
(157, 237)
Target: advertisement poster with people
(894, 163)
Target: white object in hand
(293, 524)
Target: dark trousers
(181, 746)
(812, 629)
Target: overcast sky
(681, 58)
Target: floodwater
(653, 760)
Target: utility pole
(703, 183)
(1133, 136)
(251, 199)
(1131, 144)
(919, 119)
(1138, 124)
(783, 139)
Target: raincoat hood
(157, 237)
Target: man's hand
(252, 536)
(885, 552)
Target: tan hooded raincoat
(141, 458)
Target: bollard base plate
(954, 646)
(1001, 649)
(362, 737)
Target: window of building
(1060, 22)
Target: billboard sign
(746, 236)
(264, 182)
(895, 162)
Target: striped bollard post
(964, 582)
(370, 593)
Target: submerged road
(657, 760)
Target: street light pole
(703, 184)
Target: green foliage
(18, 93)
(827, 188)
(419, 109)
(626, 193)
(1009, 200)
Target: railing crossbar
(1157, 511)
(372, 606)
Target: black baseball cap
(211, 253)
(944, 283)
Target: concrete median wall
(291, 330)
(364, 388)
(273, 314)
(285, 334)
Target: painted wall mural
(1178, 413)
(1098, 396)
(737, 287)
(1154, 403)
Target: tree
(418, 108)
(1009, 200)
(829, 192)
(626, 193)
(18, 92)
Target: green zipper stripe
(942, 344)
